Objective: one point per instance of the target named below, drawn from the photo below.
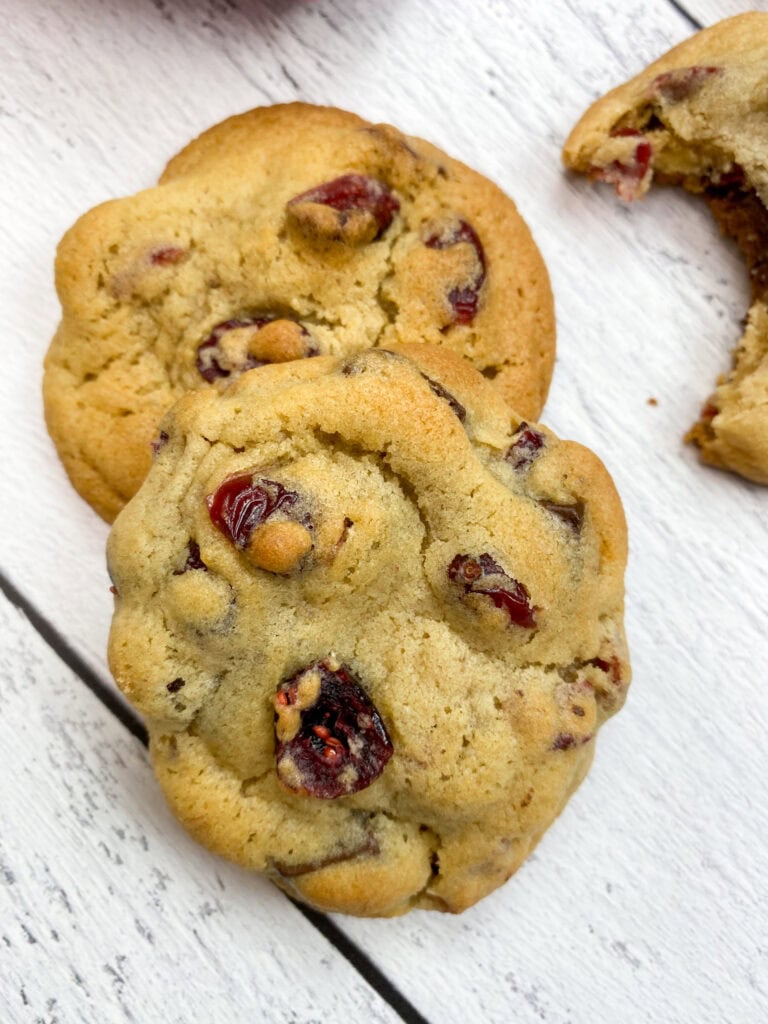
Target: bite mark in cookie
(696, 118)
(630, 173)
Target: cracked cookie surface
(282, 233)
(698, 117)
(374, 622)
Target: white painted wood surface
(707, 12)
(647, 901)
(108, 911)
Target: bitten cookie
(374, 623)
(698, 117)
(284, 233)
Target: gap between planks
(327, 928)
(681, 10)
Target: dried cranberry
(338, 745)
(626, 176)
(354, 192)
(446, 395)
(680, 84)
(159, 443)
(464, 300)
(611, 668)
(525, 448)
(566, 740)
(211, 361)
(239, 505)
(194, 561)
(571, 515)
(167, 255)
(482, 575)
(209, 357)
(563, 741)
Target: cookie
(284, 233)
(697, 118)
(374, 622)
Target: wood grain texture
(108, 911)
(707, 12)
(647, 900)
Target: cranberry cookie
(698, 117)
(374, 623)
(284, 233)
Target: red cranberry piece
(680, 84)
(212, 362)
(626, 176)
(566, 741)
(463, 300)
(208, 360)
(571, 515)
(240, 504)
(330, 739)
(525, 448)
(194, 561)
(159, 443)
(611, 668)
(446, 395)
(742, 215)
(482, 575)
(167, 255)
(354, 192)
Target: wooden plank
(646, 902)
(707, 12)
(109, 912)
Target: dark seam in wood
(363, 965)
(688, 17)
(73, 661)
(344, 946)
